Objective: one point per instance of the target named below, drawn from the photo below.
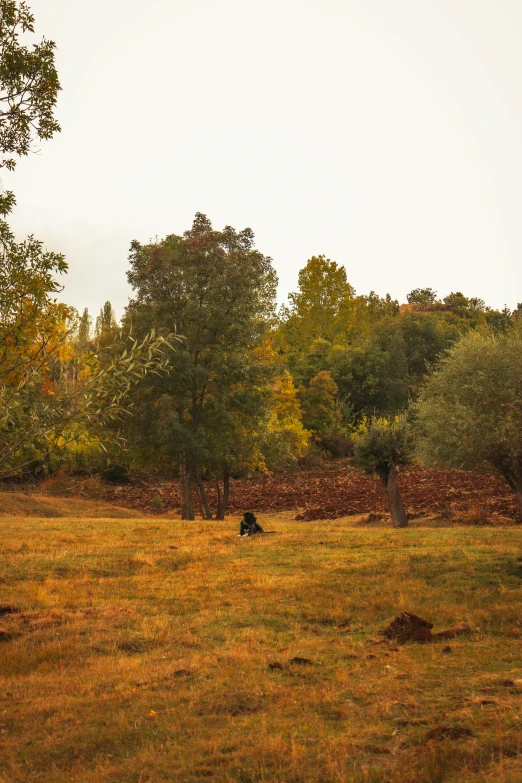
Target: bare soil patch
(468, 497)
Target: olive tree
(470, 412)
(381, 445)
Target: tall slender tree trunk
(186, 487)
(388, 477)
(207, 512)
(223, 498)
(190, 493)
(515, 482)
(182, 487)
(219, 501)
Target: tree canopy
(470, 412)
(28, 89)
(218, 291)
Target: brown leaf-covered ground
(471, 496)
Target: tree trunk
(190, 493)
(219, 501)
(388, 477)
(207, 513)
(186, 484)
(226, 490)
(515, 482)
(182, 487)
(223, 498)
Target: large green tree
(320, 309)
(214, 288)
(470, 412)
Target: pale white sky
(386, 134)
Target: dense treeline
(219, 383)
(243, 387)
(331, 374)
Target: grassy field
(20, 504)
(144, 650)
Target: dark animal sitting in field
(249, 526)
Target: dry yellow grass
(21, 504)
(142, 649)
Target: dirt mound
(409, 627)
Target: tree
(43, 410)
(29, 314)
(106, 329)
(426, 337)
(320, 308)
(321, 413)
(28, 84)
(84, 331)
(28, 89)
(456, 299)
(286, 439)
(216, 290)
(381, 446)
(29, 317)
(422, 296)
(369, 310)
(372, 373)
(41, 404)
(470, 412)
(46, 397)
(323, 292)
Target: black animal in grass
(249, 526)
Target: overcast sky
(386, 134)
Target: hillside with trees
(379, 443)
(206, 381)
(334, 378)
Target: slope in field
(18, 504)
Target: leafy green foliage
(106, 330)
(457, 301)
(381, 445)
(321, 414)
(470, 412)
(286, 439)
(216, 290)
(381, 442)
(28, 84)
(422, 296)
(321, 306)
(372, 374)
(38, 416)
(29, 314)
